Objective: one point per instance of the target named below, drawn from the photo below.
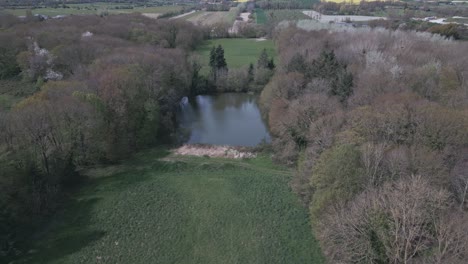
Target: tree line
(105, 88)
(375, 123)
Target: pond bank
(215, 151)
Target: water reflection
(224, 119)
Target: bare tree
(450, 239)
(391, 224)
(459, 180)
(372, 159)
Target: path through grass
(181, 210)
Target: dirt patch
(215, 151)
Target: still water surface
(224, 119)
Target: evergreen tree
(263, 60)
(220, 60)
(217, 61)
(213, 57)
(298, 64)
(328, 67)
(271, 64)
(342, 86)
(250, 73)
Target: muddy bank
(213, 151)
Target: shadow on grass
(68, 232)
(72, 229)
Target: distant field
(276, 16)
(85, 9)
(280, 15)
(206, 18)
(303, 3)
(182, 210)
(260, 16)
(348, 1)
(238, 52)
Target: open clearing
(238, 52)
(181, 210)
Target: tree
(328, 67)
(271, 64)
(218, 62)
(297, 64)
(263, 60)
(336, 178)
(448, 30)
(398, 223)
(250, 73)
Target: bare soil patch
(215, 151)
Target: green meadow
(160, 208)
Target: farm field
(338, 18)
(280, 15)
(206, 18)
(238, 52)
(260, 16)
(86, 9)
(347, 1)
(156, 208)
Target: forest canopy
(376, 124)
(103, 88)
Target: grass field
(97, 8)
(238, 52)
(260, 16)
(181, 210)
(280, 15)
(348, 1)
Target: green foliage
(263, 60)
(448, 30)
(325, 67)
(337, 177)
(182, 210)
(250, 72)
(217, 60)
(123, 103)
(8, 65)
(298, 64)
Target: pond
(232, 119)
